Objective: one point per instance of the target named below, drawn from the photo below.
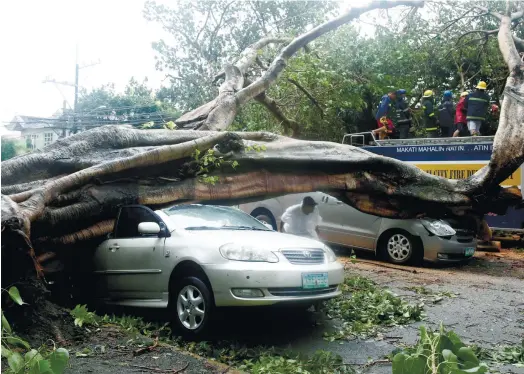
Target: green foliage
(321, 362)
(207, 162)
(83, 316)
(138, 105)
(207, 34)
(438, 352)
(260, 359)
(364, 307)
(508, 354)
(12, 148)
(41, 361)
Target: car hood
(271, 240)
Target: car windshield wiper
(243, 228)
(203, 228)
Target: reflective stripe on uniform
(432, 128)
(478, 99)
(476, 118)
(431, 114)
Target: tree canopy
(327, 91)
(136, 105)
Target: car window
(207, 217)
(128, 220)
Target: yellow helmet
(482, 85)
(465, 93)
(428, 93)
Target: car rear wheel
(190, 307)
(400, 247)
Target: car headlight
(236, 252)
(438, 227)
(330, 255)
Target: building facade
(39, 132)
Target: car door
(345, 225)
(128, 264)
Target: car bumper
(280, 282)
(437, 249)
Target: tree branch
(203, 27)
(272, 106)
(280, 62)
(519, 43)
(309, 95)
(219, 24)
(485, 32)
(507, 45)
(515, 16)
(250, 54)
(490, 12)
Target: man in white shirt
(302, 219)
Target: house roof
(20, 123)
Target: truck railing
(362, 139)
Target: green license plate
(470, 251)
(315, 280)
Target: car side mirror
(268, 225)
(148, 228)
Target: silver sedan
(194, 258)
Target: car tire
(265, 216)
(190, 319)
(400, 247)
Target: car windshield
(205, 217)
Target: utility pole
(75, 85)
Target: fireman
(403, 114)
(429, 118)
(446, 114)
(477, 104)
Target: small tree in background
(12, 148)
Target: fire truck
(453, 158)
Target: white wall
(41, 137)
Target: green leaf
(32, 356)
(15, 295)
(15, 362)
(59, 360)
(5, 352)
(403, 364)
(470, 360)
(15, 340)
(5, 324)
(41, 367)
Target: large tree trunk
(72, 190)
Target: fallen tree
(68, 194)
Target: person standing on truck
(477, 104)
(446, 112)
(461, 127)
(302, 219)
(403, 112)
(385, 126)
(430, 121)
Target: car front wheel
(400, 248)
(190, 307)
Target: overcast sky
(39, 39)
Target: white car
(193, 258)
